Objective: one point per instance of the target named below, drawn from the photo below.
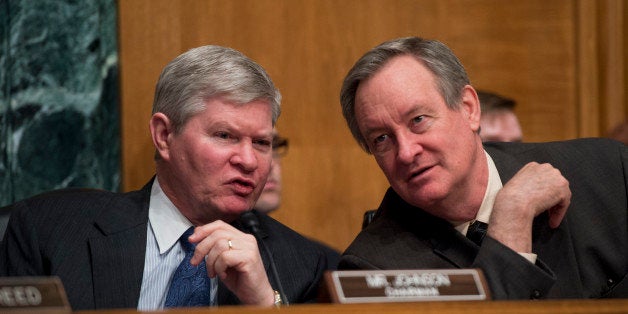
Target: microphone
(250, 222)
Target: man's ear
(471, 106)
(161, 130)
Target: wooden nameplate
(33, 295)
(370, 286)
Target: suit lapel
(118, 251)
(118, 263)
(507, 166)
(453, 247)
(445, 241)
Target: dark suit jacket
(95, 241)
(586, 257)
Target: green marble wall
(59, 101)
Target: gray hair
(209, 71)
(450, 75)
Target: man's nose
(408, 147)
(245, 156)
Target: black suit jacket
(586, 257)
(95, 241)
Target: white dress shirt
(164, 253)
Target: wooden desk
(466, 307)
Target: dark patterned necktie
(477, 231)
(190, 285)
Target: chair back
(368, 217)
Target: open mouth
(418, 173)
(243, 187)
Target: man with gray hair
(182, 240)
(556, 212)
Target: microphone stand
(250, 221)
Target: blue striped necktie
(190, 285)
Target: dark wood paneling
(527, 50)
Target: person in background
(183, 239)
(270, 199)
(541, 220)
(498, 121)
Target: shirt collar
(166, 220)
(492, 187)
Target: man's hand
(536, 188)
(239, 264)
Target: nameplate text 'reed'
(33, 295)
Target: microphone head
(250, 221)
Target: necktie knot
(185, 243)
(477, 231)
